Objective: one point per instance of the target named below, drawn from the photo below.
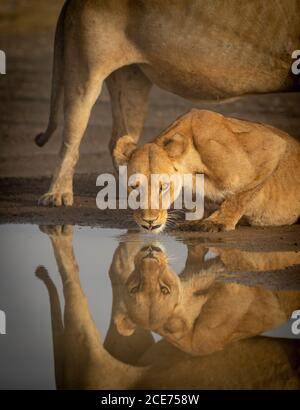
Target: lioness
(251, 169)
(198, 49)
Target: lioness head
(150, 294)
(156, 158)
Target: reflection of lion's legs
(86, 363)
(81, 337)
(57, 324)
(129, 90)
(77, 315)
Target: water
(171, 311)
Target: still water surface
(106, 308)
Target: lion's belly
(185, 83)
(212, 51)
(211, 76)
(198, 84)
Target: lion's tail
(57, 91)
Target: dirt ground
(26, 35)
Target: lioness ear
(175, 145)
(124, 325)
(123, 150)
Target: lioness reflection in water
(209, 321)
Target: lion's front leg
(227, 216)
(78, 104)
(129, 90)
(229, 213)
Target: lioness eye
(164, 290)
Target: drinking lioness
(250, 169)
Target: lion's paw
(56, 199)
(210, 226)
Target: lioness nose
(150, 221)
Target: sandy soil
(26, 35)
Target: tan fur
(206, 309)
(251, 169)
(83, 361)
(200, 50)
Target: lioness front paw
(56, 198)
(210, 226)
